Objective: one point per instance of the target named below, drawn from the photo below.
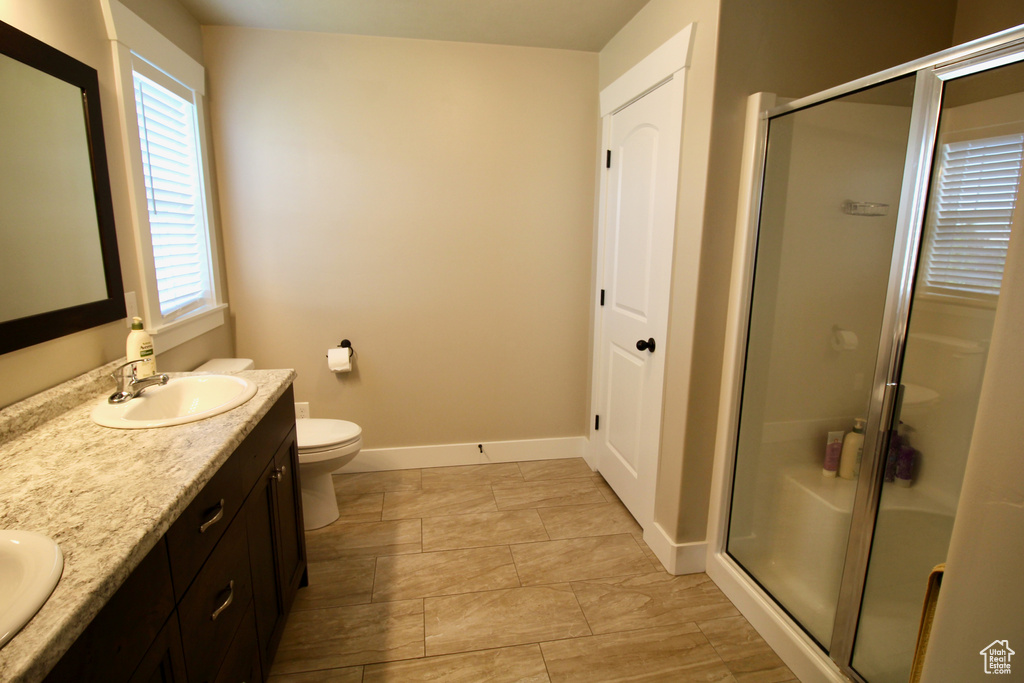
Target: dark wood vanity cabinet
(209, 602)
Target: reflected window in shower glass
(827, 222)
(979, 201)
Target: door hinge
(597, 422)
(608, 159)
(602, 297)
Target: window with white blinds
(971, 209)
(174, 193)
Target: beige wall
(430, 201)
(77, 28)
(979, 18)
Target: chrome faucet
(136, 386)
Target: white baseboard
(677, 558)
(446, 455)
(797, 650)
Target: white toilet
(324, 446)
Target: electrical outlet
(301, 411)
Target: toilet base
(319, 501)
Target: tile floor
(530, 571)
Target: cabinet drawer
(215, 604)
(202, 524)
(242, 662)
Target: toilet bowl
(324, 446)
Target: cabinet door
(119, 637)
(165, 661)
(259, 518)
(288, 499)
(277, 545)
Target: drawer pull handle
(226, 603)
(213, 520)
(279, 473)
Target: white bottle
(853, 449)
(140, 347)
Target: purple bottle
(833, 451)
(905, 465)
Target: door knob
(645, 345)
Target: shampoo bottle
(833, 453)
(140, 347)
(853, 448)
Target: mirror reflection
(50, 254)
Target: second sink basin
(181, 400)
(30, 567)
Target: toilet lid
(316, 433)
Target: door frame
(664, 67)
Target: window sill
(166, 337)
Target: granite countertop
(106, 496)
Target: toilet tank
(226, 366)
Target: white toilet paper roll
(339, 359)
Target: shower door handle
(645, 345)
(892, 407)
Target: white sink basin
(181, 400)
(30, 567)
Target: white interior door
(637, 232)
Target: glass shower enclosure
(886, 212)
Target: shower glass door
(832, 182)
(973, 206)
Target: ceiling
(565, 24)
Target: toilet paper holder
(346, 344)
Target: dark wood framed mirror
(59, 266)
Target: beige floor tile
(482, 529)
(658, 599)
(377, 482)
(679, 654)
(599, 519)
(360, 507)
(638, 536)
(744, 651)
(577, 559)
(351, 674)
(537, 494)
(522, 664)
(437, 502)
(470, 475)
(403, 577)
(336, 583)
(604, 488)
(338, 540)
(516, 616)
(345, 636)
(566, 468)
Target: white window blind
(177, 223)
(972, 205)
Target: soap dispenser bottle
(140, 347)
(853, 448)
